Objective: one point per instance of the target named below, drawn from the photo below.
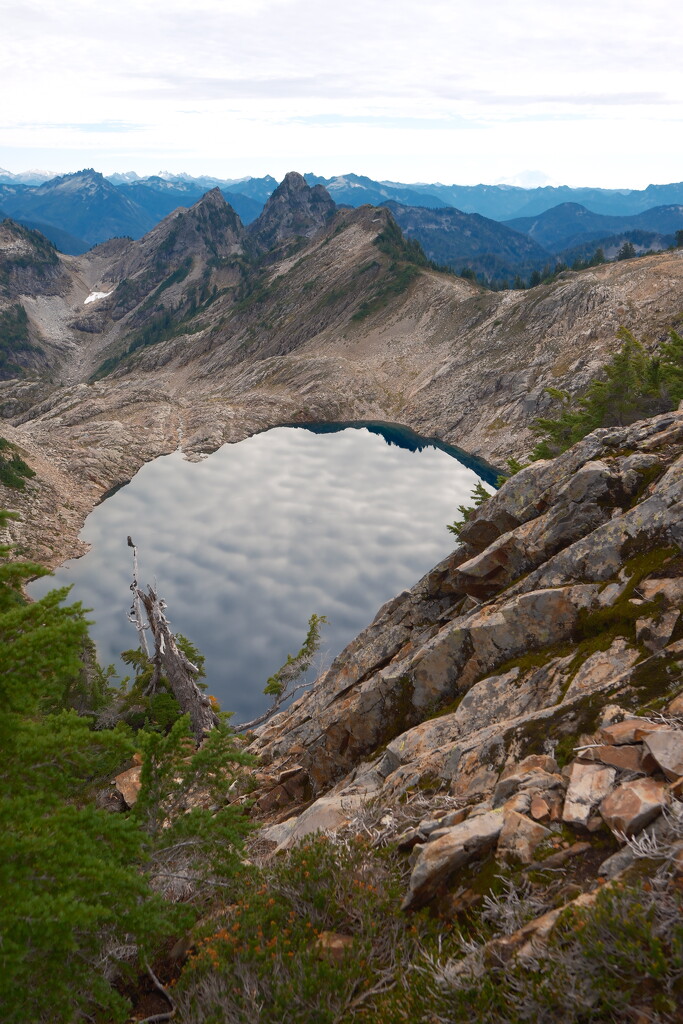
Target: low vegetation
(14, 472)
(87, 894)
(14, 341)
(635, 383)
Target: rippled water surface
(246, 544)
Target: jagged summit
(208, 227)
(209, 224)
(294, 210)
(292, 182)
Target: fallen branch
(157, 1018)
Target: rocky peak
(208, 228)
(294, 210)
(88, 179)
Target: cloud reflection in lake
(246, 544)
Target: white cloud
(258, 76)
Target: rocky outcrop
(514, 694)
(525, 622)
(293, 211)
(29, 264)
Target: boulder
(666, 747)
(656, 633)
(601, 668)
(589, 784)
(632, 730)
(519, 837)
(633, 805)
(546, 806)
(333, 946)
(326, 814)
(439, 859)
(128, 784)
(627, 757)
(534, 780)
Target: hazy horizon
(527, 180)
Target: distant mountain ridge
(77, 211)
(469, 241)
(569, 224)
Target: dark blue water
(248, 543)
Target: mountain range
(207, 330)
(77, 211)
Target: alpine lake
(247, 543)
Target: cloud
(384, 87)
(604, 99)
(76, 126)
(197, 87)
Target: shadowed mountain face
(503, 202)
(356, 190)
(84, 204)
(160, 197)
(570, 224)
(293, 211)
(467, 240)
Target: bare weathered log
(168, 660)
(135, 615)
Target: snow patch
(96, 295)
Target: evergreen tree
(634, 385)
(82, 888)
(627, 251)
(478, 496)
(672, 367)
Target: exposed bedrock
(564, 596)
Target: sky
(557, 92)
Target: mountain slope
(198, 340)
(468, 240)
(569, 224)
(84, 204)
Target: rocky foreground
(521, 702)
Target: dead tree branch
(168, 660)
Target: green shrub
(635, 385)
(14, 472)
(14, 339)
(87, 895)
(265, 949)
(478, 496)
